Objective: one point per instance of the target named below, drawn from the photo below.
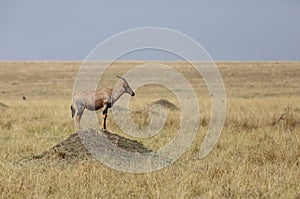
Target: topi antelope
(95, 100)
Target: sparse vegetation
(257, 155)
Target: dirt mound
(70, 148)
(166, 104)
(127, 144)
(73, 147)
(110, 149)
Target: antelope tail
(73, 111)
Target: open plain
(257, 155)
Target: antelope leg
(79, 115)
(78, 122)
(104, 116)
(104, 121)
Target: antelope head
(126, 86)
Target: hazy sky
(228, 30)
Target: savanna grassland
(257, 155)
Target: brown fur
(95, 100)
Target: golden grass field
(257, 155)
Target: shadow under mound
(74, 147)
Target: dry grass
(257, 155)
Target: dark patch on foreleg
(104, 116)
(73, 111)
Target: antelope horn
(118, 76)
